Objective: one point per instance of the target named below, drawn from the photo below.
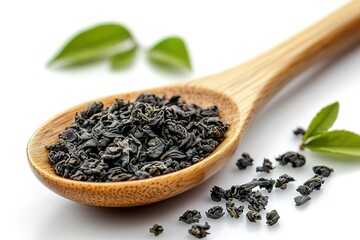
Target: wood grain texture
(238, 93)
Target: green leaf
(92, 44)
(171, 52)
(123, 59)
(340, 142)
(322, 121)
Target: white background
(220, 34)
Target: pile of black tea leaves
(136, 140)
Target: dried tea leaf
(272, 217)
(245, 161)
(299, 131)
(268, 184)
(315, 182)
(322, 170)
(199, 231)
(215, 212)
(156, 229)
(253, 216)
(217, 193)
(266, 167)
(283, 180)
(257, 201)
(294, 158)
(233, 211)
(300, 200)
(190, 216)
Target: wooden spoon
(238, 93)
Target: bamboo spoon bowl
(238, 92)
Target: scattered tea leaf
(299, 131)
(339, 141)
(322, 121)
(272, 217)
(156, 229)
(300, 200)
(190, 216)
(253, 216)
(233, 211)
(245, 161)
(123, 59)
(294, 158)
(266, 167)
(283, 181)
(215, 212)
(323, 171)
(171, 52)
(92, 44)
(199, 231)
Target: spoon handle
(253, 82)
